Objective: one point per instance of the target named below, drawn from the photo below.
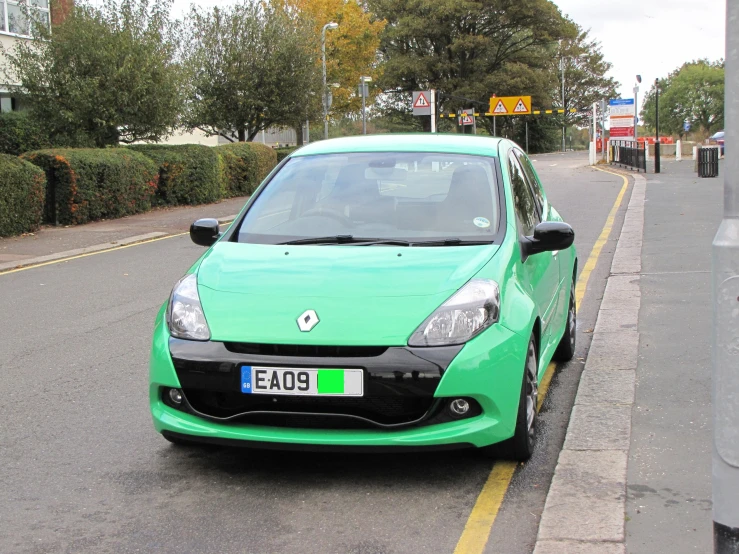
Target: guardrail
(628, 153)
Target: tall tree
(585, 80)
(252, 66)
(693, 93)
(107, 74)
(470, 49)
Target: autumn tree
(694, 93)
(252, 66)
(107, 74)
(351, 49)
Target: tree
(585, 78)
(105, 75)
(351, 49)
(252, 66)
(694, 93)
(470, 49)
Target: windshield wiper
(450, 242)
(349, 239)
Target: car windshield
(360, 197)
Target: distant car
(718, 138)
(394, 292)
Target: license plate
(302, 382)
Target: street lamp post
(330, 25)
(363, 80)
(636, 108)
(656, 126)
(725, 277)
(564, 115)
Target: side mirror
(548, 236)
(205, 232)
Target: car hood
(363, 295)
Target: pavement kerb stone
(585, 505)
(6, 266)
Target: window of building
(16, 16)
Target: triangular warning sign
(421, 101)
(466, 119)
(520, 106)
(500, 108)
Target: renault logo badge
(307, 320)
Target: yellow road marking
(111, 249)
(480, 522)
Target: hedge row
(20, 133)
(87, 184)
(22, 190)
(283, 153)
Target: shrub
(283, 153)
(188, 173)
(22, 191)
(245, 165)
(87, 184)
(19, 132)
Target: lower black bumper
(399, 385)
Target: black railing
(708, 162)
(630, 154)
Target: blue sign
(621, 102)
(686, 126)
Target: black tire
(566, 347)
(520, 447)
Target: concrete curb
(586, 503)
(7, 266)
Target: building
(15, 27)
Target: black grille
(319, 411)
(306, 350)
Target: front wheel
(566, 347)
(520, 447)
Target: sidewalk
(634, 472)
(53, 242)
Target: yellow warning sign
(510, 105)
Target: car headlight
(185, 317)
(470, 311)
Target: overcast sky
(646, 37)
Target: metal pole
(325, 91)
(725, 377)
(564, 115)
(495, 133)
(433, 111)
(364, 107)
(656, 125)
(527, 136)
(636, 113)
(307, 131)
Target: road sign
(467, 117)
(686, 126)
(421, 103)
(510, 105)
(622, 118)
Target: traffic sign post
(510, 105)
(424, 103)
(725, 277)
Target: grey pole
(527, 135)
(331, 25)
(725, 276)
(564, 115)
(364, 113)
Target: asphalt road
(84, 471)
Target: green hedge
(87, 184)
(19, 133)
(188, 173)
(244, 165)
(283, 153)
(22, 191)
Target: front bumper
(488, 370)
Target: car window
(385, 195)
(524, 201)
(532, 178)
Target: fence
(708, 162)
(629, 153)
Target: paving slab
(614, 350)
(599, 387)
(579, 547)
(599, 427)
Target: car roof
(411, 142)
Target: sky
(646, 37)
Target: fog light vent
(175, 395)
(459, 407)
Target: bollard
(679, 151)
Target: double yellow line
(480, 522)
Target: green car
(394, 292)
